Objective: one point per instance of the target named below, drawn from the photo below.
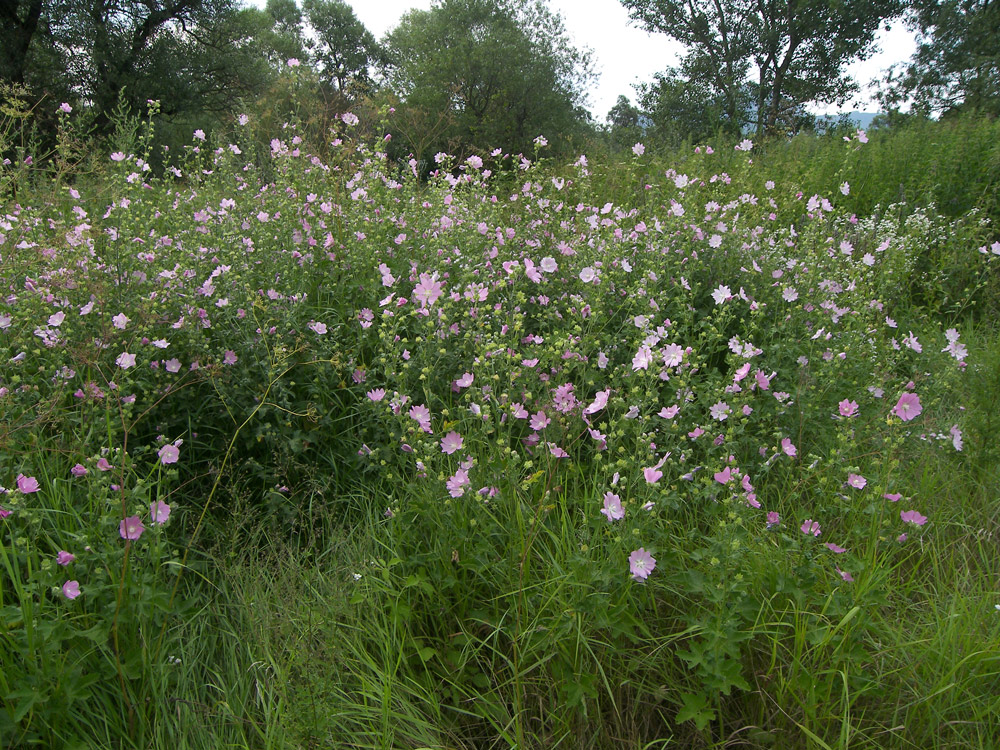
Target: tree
(502, 71)
(19, 21)
(280, 38)
(765, 59)
(343, 48)
(957, 62)
(680, 108)
(192, 55)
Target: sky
(624, 54)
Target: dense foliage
(304, 450)
(957, 62)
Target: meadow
(689, 449)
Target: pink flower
(845, 575)
(848, 408)
(724, 476)
(457, 483)
(912, 516)
(103, 464)
(64, 557)
(64, 107)
(539, 421)
(428, 290)
(956, 438)
(79, 470)
(230, 357)
(376, 394)
(613, 507)
(893, 497)
(810, 527)
(600, 401)
(722, 294)
(641, 564)
(908, 407)
(451, 442)
(131, 528)
(71, 589)
(652, 474)
(422, 415)
(788, 448)
(642, 359)
(720, 411)
(773, 519)
(27, 485)
(466, 380)
(169, 454)
(836, 549)
(125, 360)
(638, 149)
(856, 481)
(319, 328)
(159, 512)
(120, 321)
(172, 365)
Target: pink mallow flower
(811, 528)
(857, 481)
(131, 528)
(169, 454)
(65, 558)
(652, 474)
(848, 408)
(457, 483)
(641, 564)
(422, 415)
(159, 512)
(908, 407)
(71, 589)
(613, 507)
(27, 485)
(451, 442)
(912, 516)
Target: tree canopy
(498, 73)
(342, 48)
(765, 59)
(957, 62)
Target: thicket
(302, 449)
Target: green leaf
(696, 709)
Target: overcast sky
(623, 54)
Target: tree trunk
(16, 35)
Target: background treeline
(469, 76)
